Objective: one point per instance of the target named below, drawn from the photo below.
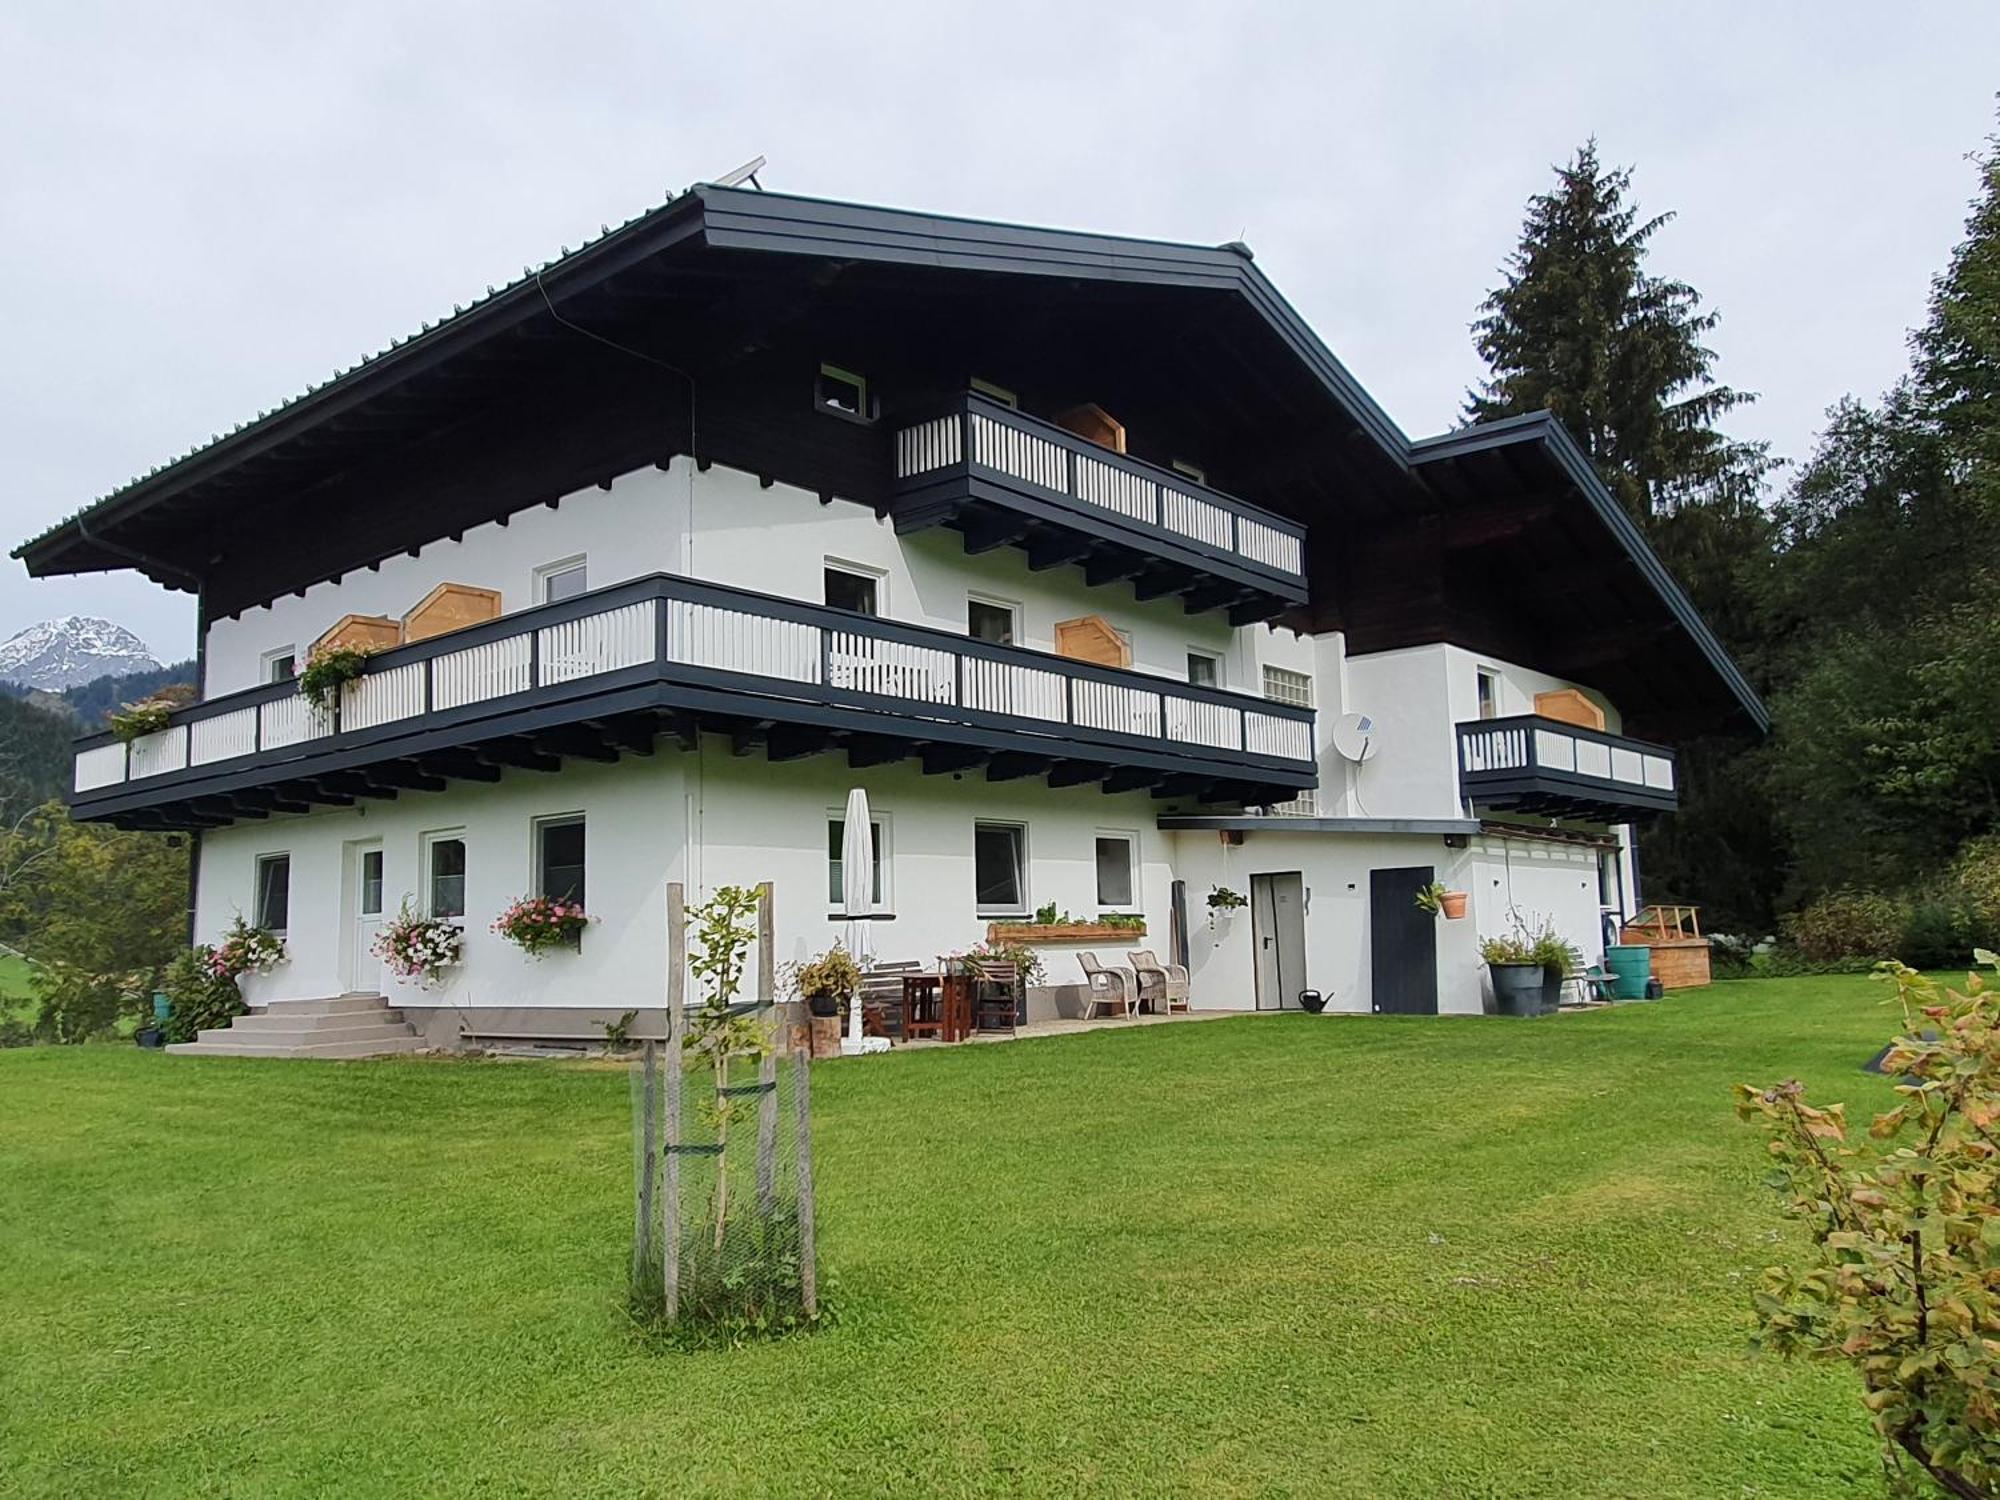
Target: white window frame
(1130, 838)
(875, 576)
(426, 847)
(270, 857)
(1213, 658)
(538, 827)
(550, 571)
(1296, 688)
(267, 663)
(1481, 676)
(885, 858)
(865, 407)
(1022, 865)
(994, 601)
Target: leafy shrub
(78, 1004)
(1847, 924)
(1938, 931)
(15, 1033)
(203, 999)
(1905, 1234)
(1975, 878)
(1788, 963)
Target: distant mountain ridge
(69, 652)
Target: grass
(1273, 1256)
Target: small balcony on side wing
(1003, 478)
(1550, 768)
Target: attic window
(994, 392)
(1192, 471)
(843, 393)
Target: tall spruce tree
(1581, 329)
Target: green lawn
(1278, 1256)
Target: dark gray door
(1402, 942)
(1278, 931)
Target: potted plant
(1558, 960)
(1438, 901)
(538, 924)
(826, 982)
(418, 947)
(1517, 974)
(149, 715)
(327, 669)
(246, 950)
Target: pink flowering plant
(418, 947)
(541, 923)
(245, 950)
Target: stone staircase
(346, 1026)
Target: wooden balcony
(1529, 764)
(1003, 478)
(605, 674)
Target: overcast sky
(206, 208)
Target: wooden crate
(1092, 638)
(1678, 963)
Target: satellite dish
(1354, 737)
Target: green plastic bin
(1632, 963)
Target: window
(281, 665)
(849, 590)
(559, 858)
(1204, 669)
(371, 882)
(994, 392)
(1283, 686)
(444, 860)
(989, 620)
(836, 881)
(1114, 870)
(999, 867)
(1192, 471)
(562, 580)
(274, 891)
(843, 393)
(1489, 693)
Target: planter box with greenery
(1101, 931)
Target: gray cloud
(205, 213)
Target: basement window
(844, 394)
(1000, 868)
(274, 891)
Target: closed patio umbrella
(857, 895)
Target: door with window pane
(361, 903)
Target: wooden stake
(670, 1196)
(767, 1069)
(649, 1158)
(802, 1119)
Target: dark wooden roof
(695, 328)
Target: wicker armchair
(1109, 988)
(1162, 986)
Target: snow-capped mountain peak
(62, 653)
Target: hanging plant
(418, 947)
(149, 715)
(537, 924)
(327, 669)
(1222, 898)
(246, 950)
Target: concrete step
(334, 1005)
(306, 1021)
(361, 1030)
(226, 1048)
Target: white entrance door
(361, 970)
(1278, 929)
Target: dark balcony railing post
(1075, 490)
(958, 679)
(534, 657)
(1069, 699)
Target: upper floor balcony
(605, 673)
(1004, 478)
(1530, 764)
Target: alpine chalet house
(1081, 555)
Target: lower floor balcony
(1545, 767)
(605, 674)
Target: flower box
(1062, 932)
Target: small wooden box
(449, 607)
(360, 633)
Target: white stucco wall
(1529, 881)
(706, 818)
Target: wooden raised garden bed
(1061, 932)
